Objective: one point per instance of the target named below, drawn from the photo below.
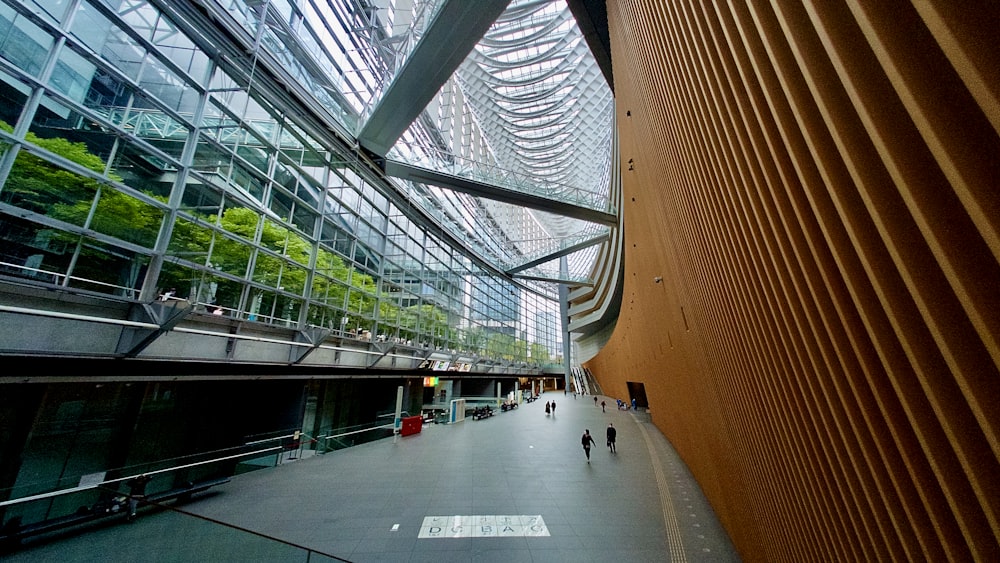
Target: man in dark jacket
(612, 434)
(587, 440)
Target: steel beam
(451, 36)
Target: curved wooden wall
(818, 186)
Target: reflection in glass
(108, 269)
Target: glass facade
(153, 148)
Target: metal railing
(47, 510)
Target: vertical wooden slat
(818, 186)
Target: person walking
(587, 440)
(553, 409)
(137, 492)
(595, 400)
(603, 405)
(547, 408)
(612, 434)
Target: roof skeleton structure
(495, 118)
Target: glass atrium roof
(511, 152)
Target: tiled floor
(368, 503)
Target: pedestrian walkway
(515, 487)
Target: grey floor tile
(517, 463)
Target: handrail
(246, 530)
(333, 436)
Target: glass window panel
(364, 209)
(83, 140)
(368, 235)
(240, 220)
(108, 269)
(303, 150)
(366, 258)
(286, 310)
(127, 218)
(137, 14)
(293, 279)
(143, 170)
(230, 255)
(346, 221)
(257, 116)
(180, 49)
(328, 292)
(336, 295)
(368, 191)
(227, 294)
(298, 248)
(42, 187)
(161, 82)
(331, 264)
(201, 200)
(203, 290)
(342, 243)
(231, 134)
(261, 306)
(12, 99)
(310, 193)
(304, 219)
(389, 310)
(378, 220)
(93, 29)
(123, 53)
(393, 251)
(274, 236)
(281, 203)
(212, 161)
(381, 203)
(245, 178)
(22, 43)
(361, 304)
(218, 123)
(190, 240)
(72, 75)
(107, 95)
(33, 251)
(318, 174)
(328, 233)
(256, 156)
(178, 278)
(147, 121)
(52, 10)
(285, 176)
(349, 198)
(267, 269)
(323, 316)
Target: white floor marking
(483, 526)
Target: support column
(564, 316)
